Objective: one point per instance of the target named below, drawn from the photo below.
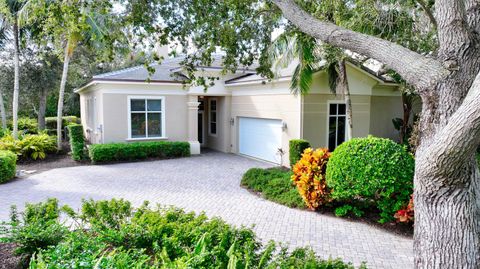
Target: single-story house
(242, 113)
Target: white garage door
(260, 138)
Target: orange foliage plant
(309, 177)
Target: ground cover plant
(113, 234)
(8, 165)
(274, 184)
(29, 146)
(115, 152)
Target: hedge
(77, 141)
(8, 165)
(371, 169)
(115, 152)
(25, 125)
(297, 146)
(51, 122)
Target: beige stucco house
(242, 114)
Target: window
(212, 117)
(337, 121)
(147, 117)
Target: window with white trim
(147, 117)
(212, 124)
(337, 122)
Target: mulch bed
(52, 161)
(8, 259)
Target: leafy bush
(112, 234)
(8, 165)
(407, 213)
(297, 146)
(77, 142)
(274, 184)
(35, 146)
(372, 170)
(26, 125)
(51, 122)
(309, 177)
(136, 151)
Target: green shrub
(35, 146)
(115, 152)
(51, 122)
(8, 165)
(25, 125)
(77, 142)
(297, 146)
(113, 234)
(371, 170)
(274, 184)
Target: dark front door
(200, 127)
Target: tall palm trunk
(42, 107)
(343, 84)
(16, 82)
(3, 114)
(63, 82)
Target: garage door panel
(260, 138)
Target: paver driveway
(210, 183)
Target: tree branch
(428, 12)
(455, 144)
(416, 69)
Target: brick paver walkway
(210, 183)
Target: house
(242, 113)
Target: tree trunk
(61, 94)
(16, 81)
(42, 107)
(3, 113)
(343, 83)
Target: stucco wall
(115, 112)
(383, 110)
(269, 102)
(315, 113)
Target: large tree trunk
(3, 113)
(343, 83)
(16, 81)
(42, 107)
(61, 94)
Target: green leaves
(371, 170)
(8, 165)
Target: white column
(192, 105)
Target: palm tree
(313, 57)
(3, 38)
(10, 15)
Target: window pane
(213, 117)
(332, 129)
(341, 130)
(137, 105)
(138, 125)
(213, 128)
(341, 109)
(154, 124)
(213, 105)
(333, 109)
(154, 105)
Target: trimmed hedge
(115, 152)
(51, 122)
(8, 165)
(371, 170)
(77, 141)
(297, 146)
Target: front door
(200, 128)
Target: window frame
(336, 102)
(210, 117)
(162, 115)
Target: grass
(275, 185)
